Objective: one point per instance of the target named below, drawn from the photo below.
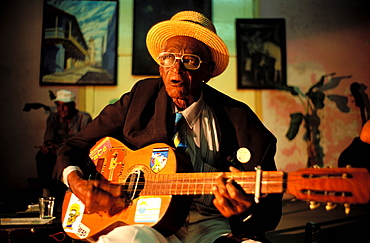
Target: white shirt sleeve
(68, 170)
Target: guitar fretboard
(202, 183)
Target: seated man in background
(213, 129)
(357, 154)
(60, 126)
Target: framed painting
(150, 12)
(79, 44)
(261, 53)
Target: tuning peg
(330, 206)
(316, 166)
(348, 166)
(314, 205)
(347, 208)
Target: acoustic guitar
(157, 195)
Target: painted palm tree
(312, 101)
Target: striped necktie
(179, 144)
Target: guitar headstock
(330, 185)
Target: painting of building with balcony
(79, 45)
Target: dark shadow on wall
(361, 100)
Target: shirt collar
(193, 112)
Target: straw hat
(191, 24)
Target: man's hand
(97, 195)
(230, 200)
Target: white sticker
(243, 155)
(83, 231)
(74, 214)
(147, 210)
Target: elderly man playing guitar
(216, 134)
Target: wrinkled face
(65, 110)
(183, 85)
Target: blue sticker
(159, 159)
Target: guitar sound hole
(134, 185)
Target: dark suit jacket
(142, 117)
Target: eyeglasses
(190, 61)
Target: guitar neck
(202, 183)
(118, 164)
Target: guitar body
(120, 165)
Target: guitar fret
(157, 184)
(177, 184)
(171, 192)
(246, 180)
(211, 185)
(153, 185)
(184, 185)
(171, 181)
(190, 185)
(147, 185)
(196, 184)
(164, 186)
(174, 184)
(160, 184)
(204, 184)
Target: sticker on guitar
(72, 220)
(147, 210)
(159, 159)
